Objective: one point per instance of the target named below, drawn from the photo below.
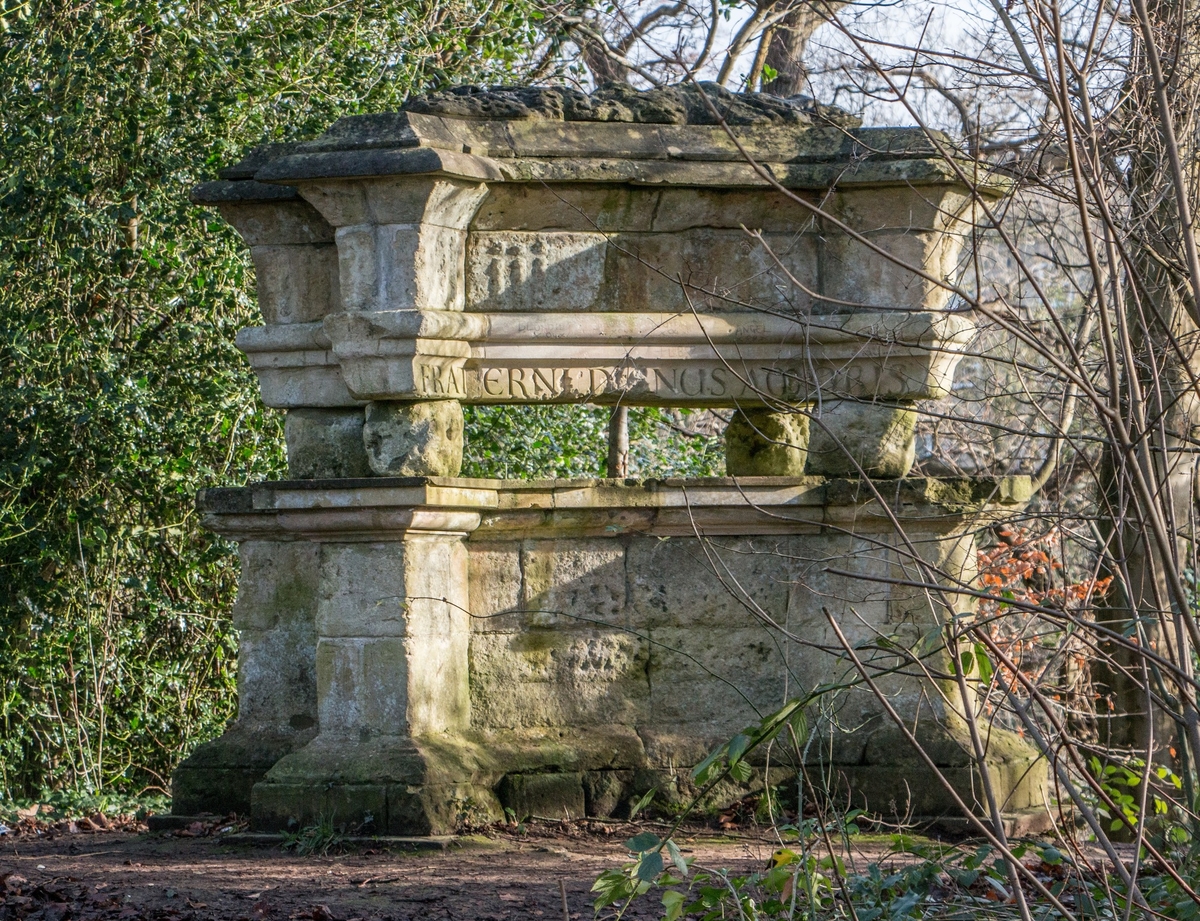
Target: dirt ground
(121, 874)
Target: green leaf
(644, 841)
(769, 73)
(984, 661)
(642, 803)
(673, 903)
(649, 866)
(677, 858)
(703, 771)
(799, 724)
(737, 747)
(966, 662)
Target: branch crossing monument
(415, 646)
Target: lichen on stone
(682, 104)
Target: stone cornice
(386, 509)
(646, 358)
(798, 155)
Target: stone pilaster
(297, 281)
(277, 689)
(401, 241)
(401, 244)
(391, 671)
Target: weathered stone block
(439, 695)
(439, 201)
(363, 591)
(325, 444)
(358, 267)
(585, 209)
(856, 275)
(543, 677)
(732, 209)
(424, 200)
(670, 746)
(373, 808)
(494, 585)
(277, 683)
(517, 270)
(894, 779)
(675, 704)
(572, 583)
(349, 807)
(867, 558)
(296, 284)
(934, 210)
(414, 587)
(752, 659)
(341, 203)
(277, 223)
(278, 585)
(439, 808)
(549, 795)
(295, 368)
(608, 793)
(723, 270)
(846, 437)
(218, 776)
(723, 582)
(759, 442)
(392, 686)
(420, 267)
(414, 439)
(604, 209)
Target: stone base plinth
(218, 776)
(388, 786)
(423, 786)
(878, 769)
(430, 785)
(561, 647)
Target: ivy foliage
(121, 393)
(528, 442)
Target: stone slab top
(481, 492)
(387, 508)
(678, 135)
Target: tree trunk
(1159, 394)
(787, 43)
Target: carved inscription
(671, 383)
(442, 379)
(664, 384)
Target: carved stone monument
(416, 646)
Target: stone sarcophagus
(417, 647)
